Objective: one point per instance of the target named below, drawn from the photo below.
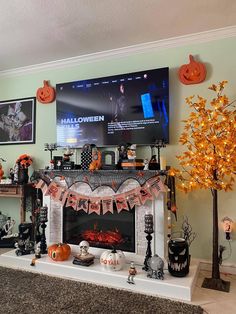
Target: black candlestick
(43, 219)
(148, 218)
(50, 147)
(157, 144)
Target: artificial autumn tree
(209, 161)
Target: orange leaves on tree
(210, 139)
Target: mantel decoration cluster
(103, 204)
(209, 161)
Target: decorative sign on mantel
(90, 204)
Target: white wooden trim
(184, 40)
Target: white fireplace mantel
(157, 207)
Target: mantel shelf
(99, 177)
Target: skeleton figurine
(132, 273)
(84, 258)
(155, 267)
(84, 246)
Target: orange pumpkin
(59, 251)
(45, 94)
(192, 73)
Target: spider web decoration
(112, 178)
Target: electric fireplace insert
(101, 231)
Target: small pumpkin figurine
(45, 94)
(192, 73)
(59, 251)
(112, 260)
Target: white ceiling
(38, 31)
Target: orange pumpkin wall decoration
(192, 73)
(46, 94)
(59, 251)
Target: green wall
(219, 57)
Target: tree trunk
(215, 255)
(215, 282)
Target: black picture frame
(17, 121)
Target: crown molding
(168, 43)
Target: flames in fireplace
(107, 237)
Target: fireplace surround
(99, 184)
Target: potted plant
(209, 161)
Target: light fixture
(227, 226)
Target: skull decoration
(84, 246)
(155, 267)
(178, 253)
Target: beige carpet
(29, 293)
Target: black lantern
(178, 253)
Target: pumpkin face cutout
(45, 94)
(192, 73)
(59, 251)
(112, 260)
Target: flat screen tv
(107, 111)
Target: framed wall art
(17, 121)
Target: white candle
(162, 163)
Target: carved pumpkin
(112, 260)
(45, 94)
(59, 251)
(192, 73)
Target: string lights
(210, 136)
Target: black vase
(23, 176)
(178, 257)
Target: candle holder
(148, 219)
(43, 219)
(50, 147)
(155, 163)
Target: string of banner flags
(103, 204)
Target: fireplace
(101, 231)
(62, 225)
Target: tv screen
(107, 111)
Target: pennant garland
(54, 191)
(95, 206)
(83, 203)
(133, 198)
(107, 205)
(145, 195)
(72, 200)
(42, 185)
(123, 201)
